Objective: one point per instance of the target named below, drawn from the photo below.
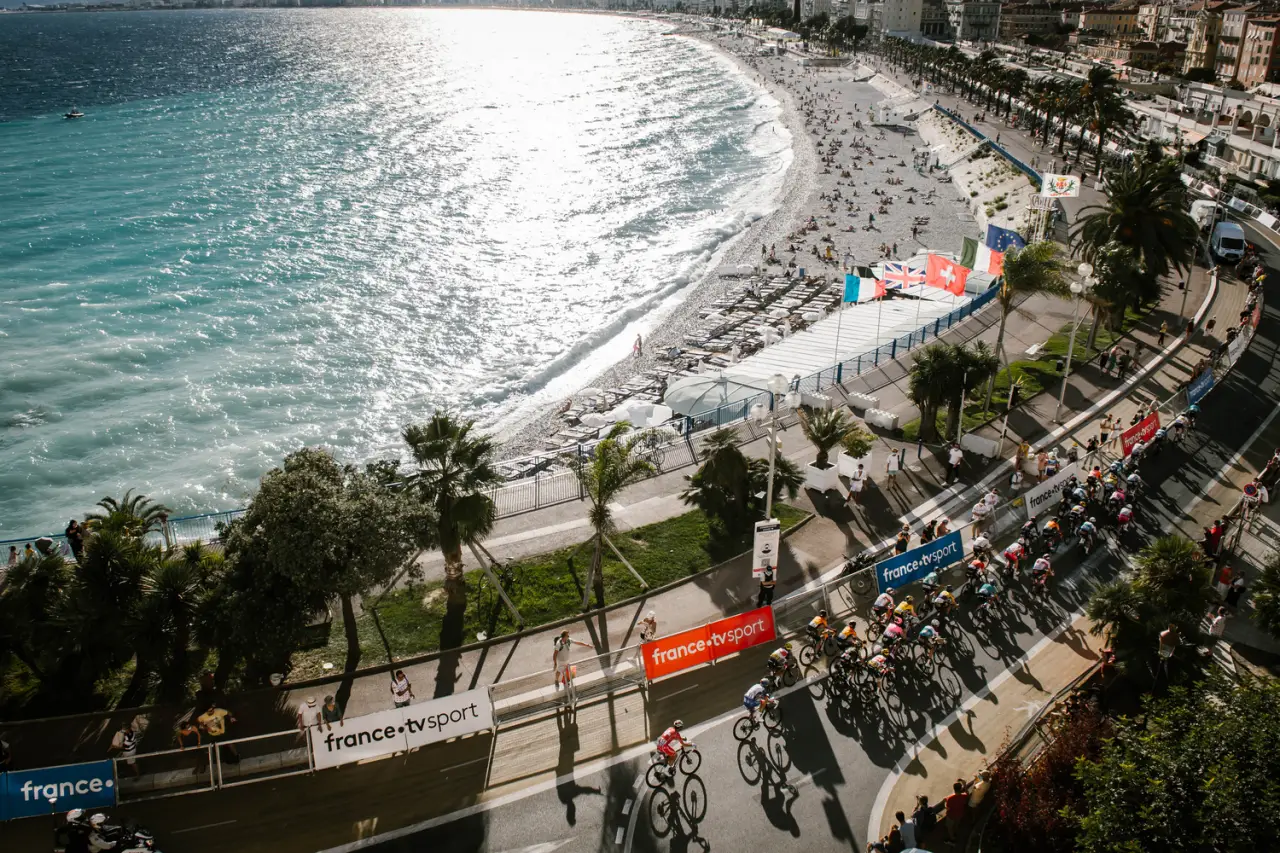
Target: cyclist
(1052, 534)
(975, 571)
(1089, 533)
(987, 592)
(883, 603)
(945, 601)
(757, 695)
(905, 608)
(817, 626)
(1014, 554)
(880, 666)
(929, 636)
(1179, 427)
(1134, 483)
(1191, 413)
(1042, 570)
(669, 745)
(1124, 517)
(780, 659)
(894, 631)
(1077, 516)
(848, 637)
(981, 547)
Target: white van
(1227, 242)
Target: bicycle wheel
(808, 654)
(860, 583)
(830, 647)
(690, 760)
(655, 776)
(874, 629)
(749, 763)
(773, 718)
(662, 806)
(789, 676)
(693, 799)
(743, 729)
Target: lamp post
(1077, 290)
(778, 385)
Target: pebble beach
(853, 194)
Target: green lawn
(1035, 375)
(545, 588)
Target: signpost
(768, 541)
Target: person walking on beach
(637, 349)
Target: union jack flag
(901, 275)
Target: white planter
(821, 479)
(847, 464)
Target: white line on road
(464, 764)
(1221, 476)
(618, 838)
(203, 826)
(678, 692)
(626, 807)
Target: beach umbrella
(642, 415)
(593, 420)
(695, 395)
(778, 313)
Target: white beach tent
(694, 395)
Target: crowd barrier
(547, 479)
(531, 695)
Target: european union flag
(1003, 239)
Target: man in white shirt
(955, 457)
(1218, 624)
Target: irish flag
(982, 258)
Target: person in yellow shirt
(906, 607)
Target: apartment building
(1259, 60)
(1111, 22)
(1017, 21)
(974, 20)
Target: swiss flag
(945, 274)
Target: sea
(284, 227)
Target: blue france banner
(1200, 386)
(57, 789)
(852, 283)
(915, 564)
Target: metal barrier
(530, 695)
(168, 773)
(269, 756)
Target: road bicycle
(790, 672)
(687, 763)
(925, 652)
(770, 716)
(826, 645)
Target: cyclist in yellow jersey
(906, 607)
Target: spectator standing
(401, 689)
(214, 721)
(925, 818)
(649, 626)
(1122, 363)
(13, 555)
(125, 745)
(891, 466)
(955, 458)
(903, 542)
(330, 713)
(308, 715)
(767, 583)
(1168, 641)
(28, 553)
(908, 830)
(893, 841)
(1218, 625)
(562, 657)
(1235, 591)
(75, 538)
(978, 788)
(1164, 330)
(955, 806)
(857, 480)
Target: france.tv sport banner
(401, 729)
(1144, 430)
(668, 655)
(913, 565)
(1046, 494)
(25, 793)
(1200, 386)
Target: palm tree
(1146, 209)
(1120, 279)
(975, 365)
(132, 515)
(727, 484)
(173, 593)
(1027, 271)
(928, 386)
(454, 473)
(825, 429)
(613, 465)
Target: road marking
(882, 798)
(203, 826)
(1221, 476)
(464, 764)
(626, 807)
(544, 847)
(681, 690)
(618, 838)
(805, 780)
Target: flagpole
(839, 324)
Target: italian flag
(981, 258)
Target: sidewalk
(963, 744)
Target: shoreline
(669, 326)
(819, 107)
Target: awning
(1191, 137)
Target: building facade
(902, 17)
(974, 20)
(1258, 61)
(1111, 22)
(1021, 20)
(935, 23)
(1202, 48)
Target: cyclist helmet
(822, 613)
(98, 819)
(1193, 408)
(910, 599)
(1045, 555)
(74, 815)
(934, 624)
(787, 646)
(764, 682)
(677, 725)
(950, 588)
(888, 591)
(851, 624)
(1093, 520)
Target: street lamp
(778, 386)
(1085, 271)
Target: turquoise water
(280, 227)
